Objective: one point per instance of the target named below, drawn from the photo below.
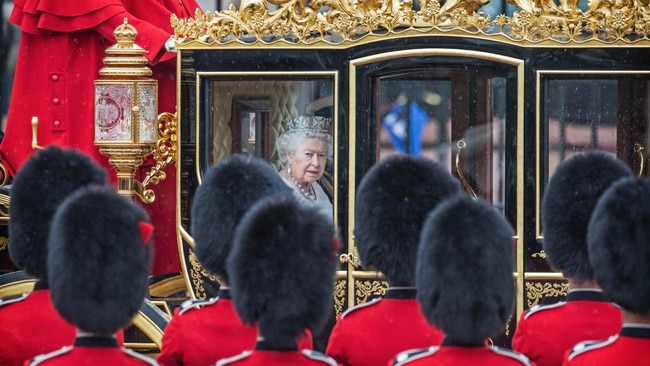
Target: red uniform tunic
(373, 333)
(545, 333)
(33, 325)
(30, 326)
(92, 351)
(61, 50)
(263, 355)
(631, 348)
(203, 332)
(449, 355)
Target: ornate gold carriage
(499, 92)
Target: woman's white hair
(289, 141)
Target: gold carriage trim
(337, 22)
(536, 291)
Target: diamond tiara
(306, 123)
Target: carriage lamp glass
(126, 109)
(125, 113)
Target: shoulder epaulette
(233, 359)
(587, 346)
(414, 354)
(512, 354)
(47, 356)
(360, 306)
(318, 356)
(195, 304)
(538, 308)
(139, 356)
(13, 299)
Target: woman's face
(309, 159)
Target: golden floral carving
(536, 291)
(4, 243)
(166, 148)
(198, 275)
(335, 22)
(367, 289)
(339, 296)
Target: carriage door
(459, 108)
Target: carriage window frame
(356, 94)
(541, 127)
(204, 80)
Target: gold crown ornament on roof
(308, 123)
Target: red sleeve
(335, 344)
(149, 37)
(42, 16)
(519, 338)
(159, 12)
(170, 351)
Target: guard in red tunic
(545, 332)
(30, 321)
(393, 200)
(281, 269)
(465, 284)
(202, 332)
(619, 252)
(62, 47)
(98, 265)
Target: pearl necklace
(310, 195)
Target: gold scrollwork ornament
(198, 275)
(332, 22)
(4, 243)
(352, 258)
(540, 254)
(339, 296)
(536, 291)
(164, 154)
(365, 289)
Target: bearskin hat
(619, 244)
(392, 202)
(99, 259)
(42, 183)
(282, 268)
(227, 191)
(569, 199)
(465, 269)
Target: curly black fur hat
(464, 269)
(569, 199)
(42, 183)
(619, 244)
(392, 202)
(99, 259)
(228, 190)
(282, 268)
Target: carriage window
(585, 121)
(592, 111)
(607, 113)
(453, 117)
(246, 112)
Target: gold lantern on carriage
(126, 120)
